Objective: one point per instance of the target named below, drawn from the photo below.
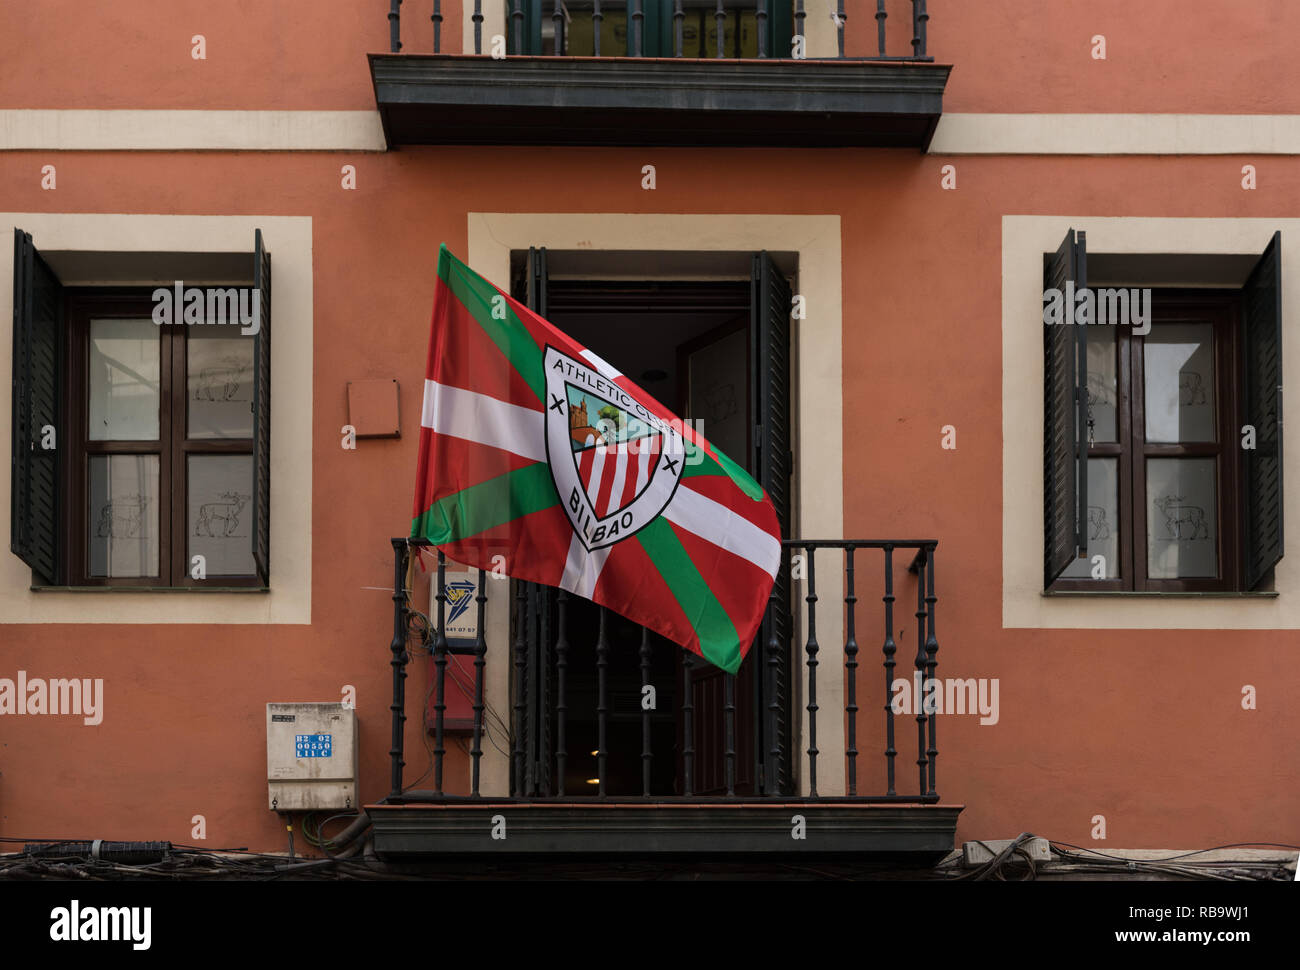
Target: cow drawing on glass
(219, 520)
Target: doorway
(716, 353)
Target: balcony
(663, 73)
(715, 767)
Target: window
(658, 38)
(140, 445)
(1162, 439)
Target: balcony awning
(443, 99)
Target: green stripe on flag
(719, 641)
(510, 335)
(487, 505)
(724, 466)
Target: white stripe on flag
(598, 466)
(582, 569)
(610, 372)
(620, 476)
(484, 420)
(717, 524)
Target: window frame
(173, 446)
(1172, 305)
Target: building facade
(828, 239)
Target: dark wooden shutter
(773, 462)
(1262, 378)
(1065, 442)
(35, 507)
(262, 412)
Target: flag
(539, 459)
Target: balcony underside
(475, 100)
(647, 831)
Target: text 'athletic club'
(534, 449)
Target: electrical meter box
(311, 757)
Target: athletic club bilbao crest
(615, 464)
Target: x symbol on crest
(557, 403)
(670, 464)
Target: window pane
(1179, 363)
(1102, 383)
(1182, 527)
(219, 520)
(1103, 519)
(124, 380)
(220, 379)
(123, 515)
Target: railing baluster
(478, 26)
(521, 644)
(596, 18)
(880, 26)
(688, 725)
(638, 21)
(799, 17)
(557, 24)
(394, 26)
(760, 15)
(517, 27)
(437, 26)
(480, 655)
(811, 649)
(720, 18)
(851, 668)
(679, 15)
(440, 683)
(919, 17)
(645, 712)
(889, 649)
(602, 661)
(729, 716)
(561, 670)
(840, 17)
(931, 648)
(921, 760)
(772, 769)
(398, 648)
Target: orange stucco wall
(1145, 728)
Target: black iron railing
(526, 28)
(544, 698)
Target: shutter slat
(1262, 376)
(770, 333)
(37, 381)
(262, 412)
(1065, 454)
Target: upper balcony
(663, 72)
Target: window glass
(219, 519)
(1103, 521)
(124, 372)
(1179, 363)
(1182, 527)
(123, 515)
(1103, 383)
(220, 384)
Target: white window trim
(289, 240)
(1024, 605)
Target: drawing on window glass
(1100, 391)
(1098, 527)
(122, 518)
(1184, 522)
(218, 520)
(1191, 389)
(221, 383)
